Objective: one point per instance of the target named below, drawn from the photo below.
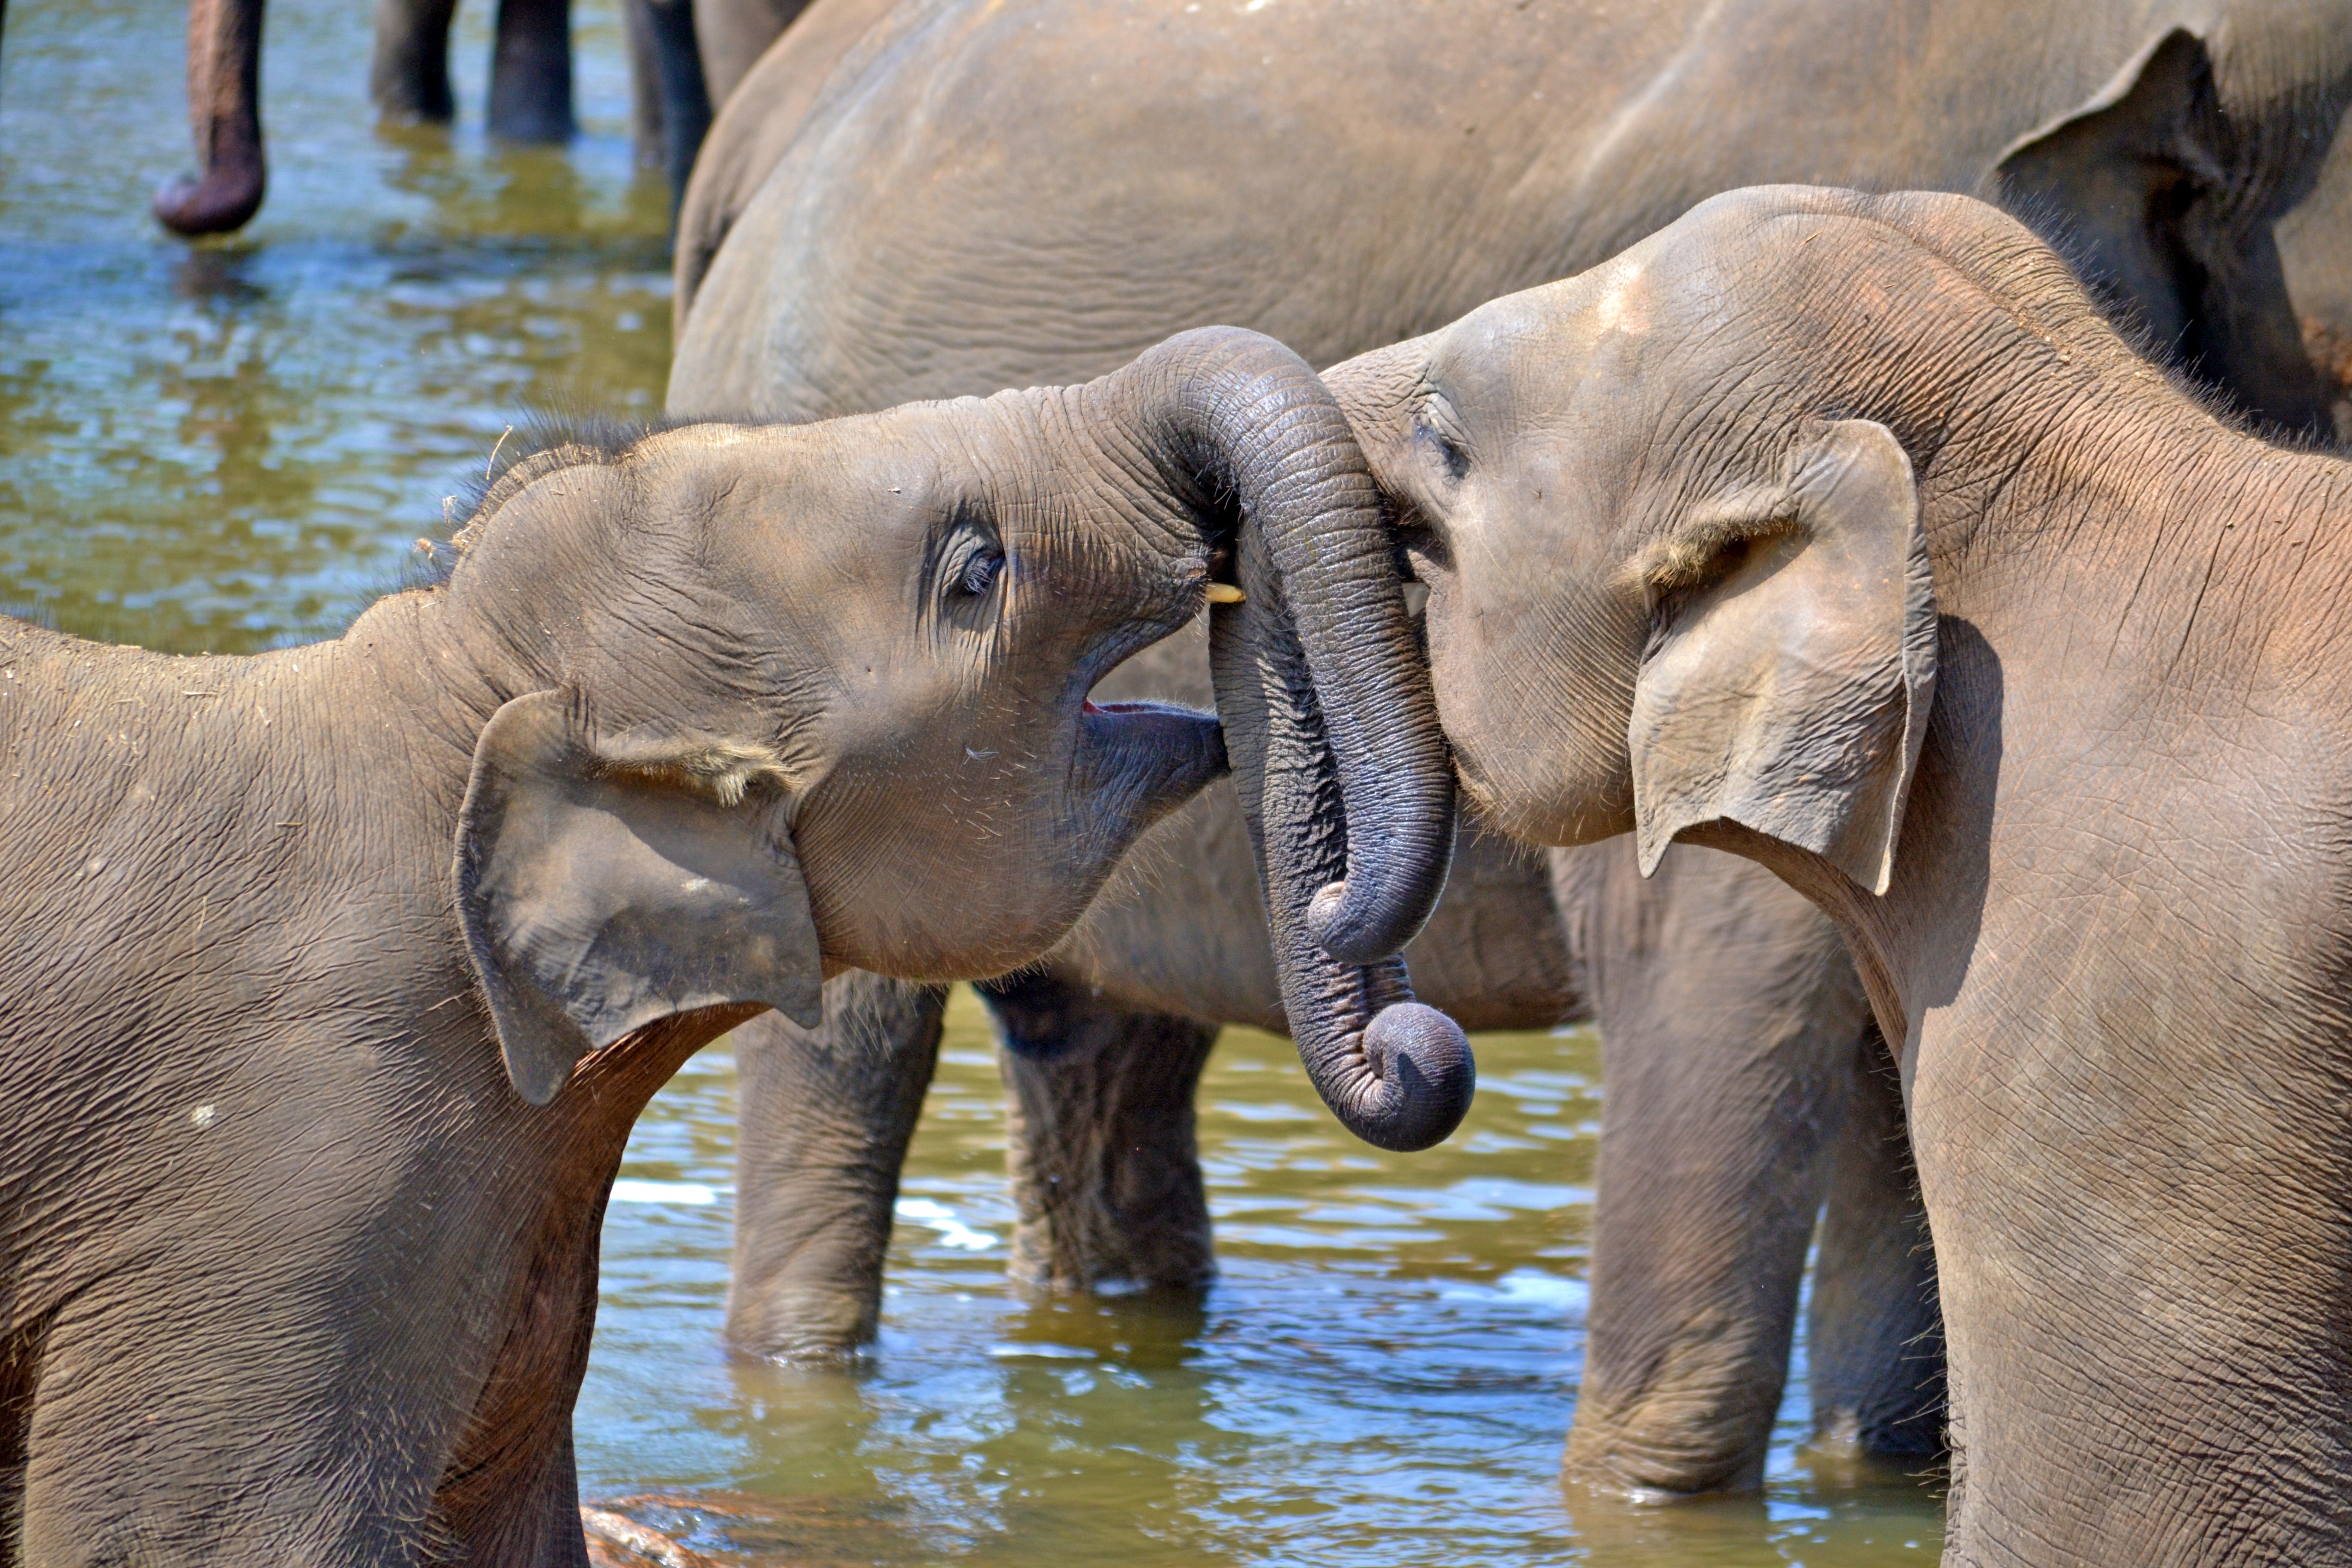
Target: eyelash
(1449, 450)
(973, 565)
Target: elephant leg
(408, 71)
(533, 1525)
(672, 107)
(531, 71)
(1106, 1171)
(225, 111)
(645, 84)
(825, 1116)
(1729, 1016)
(1874, 1336)
(734, 34)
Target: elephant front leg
(225, 112)
(1874, 1335)
(1106, 1171)
(1730, 1016)
(408, 70)
(826, 1117)
(531, 71)
(669, 104)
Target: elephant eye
(1436, 429)
(970, 566)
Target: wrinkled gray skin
(295, 1270)
(408, 78)
(901, 216)
(1687, 522)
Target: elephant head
(1672, 582)
(744, 750)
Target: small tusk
(1226, 593)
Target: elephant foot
(221, 201)
(1663, 1454)
(1616, 1527)
(1105, 1173)
(531, 124)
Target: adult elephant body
(956, 196)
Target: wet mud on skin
(237, 446)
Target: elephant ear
(603, 888)
(2112, 182)
(1787, 686)
(2143, 190)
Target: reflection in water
(236, 445)
(1382, 1374)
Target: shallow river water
(237, 446)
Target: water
(1382, 1374)
(236, 445)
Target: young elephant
(1686, 523)
(294, 1271)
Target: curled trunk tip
(1411, 1083)
(1344, 774)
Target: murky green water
(1383, 1375)
(237, 446)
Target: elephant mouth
(1145, 757)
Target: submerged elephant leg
(670, 107)
(1728, 1016)
(825, 1116)
(645, 145)
(408, 71)
(225, 114)
(1105, 1173)
(531, 71)
(734, 34)
(1874, 1335)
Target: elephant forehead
(1537, 343)
(802, 478)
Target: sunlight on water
(236, 445)
(1382, 1374)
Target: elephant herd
(683, 55)
(1840, 492)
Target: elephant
(1842, 533)
(677, 49)
(332, 979)
(941, 196)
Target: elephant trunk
(225, 110)
(1331, 724)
